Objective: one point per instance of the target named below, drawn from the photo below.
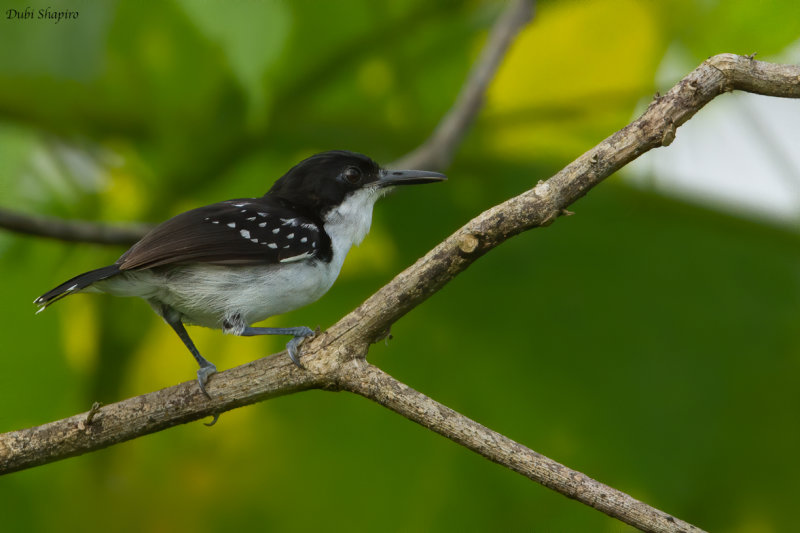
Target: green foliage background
(648, 343)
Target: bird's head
(342, 181)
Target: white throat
(348, 223)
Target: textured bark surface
(118, 422)
(376, 385)
(336, 358)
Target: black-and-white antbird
(233, 263)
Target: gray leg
(206, 367)
(299, 334)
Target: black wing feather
(245, 231)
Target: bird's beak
(390, 178)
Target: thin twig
(70, 230)
(437, 151)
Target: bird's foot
(203, 374)
(292, 346)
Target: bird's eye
(352, 175)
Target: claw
(209, 424)
(292, 345)
(202, 378)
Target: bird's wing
(247, 231)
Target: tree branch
(438, 149)
(336, 358)
(118, 422)
(373, 383)
(544, 203)
(70, 230)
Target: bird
(234, 263)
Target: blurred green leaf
(252, 34)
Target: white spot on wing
(215, 221)
(240, 205)
(262, 224)
(231, 224)
(262, 214)
(244, 233)
(289, 221)
(272, 245)
(304, 239)
(251, 218)
(290, 236)
(276, 230)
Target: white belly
(208, 294)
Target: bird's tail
(74, 285)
